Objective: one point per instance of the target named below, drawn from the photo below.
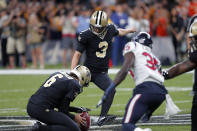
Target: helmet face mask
(97, 30)
(83, 74)
(144, 38)
(98, 23)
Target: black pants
(55, 121)
(137, 106)
(194, 113)
(4, 53)
(103, 81)
(195, 80)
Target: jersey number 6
(52, 80)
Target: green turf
(15, 91)
(169, 128)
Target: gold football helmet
(83, 74)
(193, 36)
(193, 29)
(98, 22)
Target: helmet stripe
(99, 18)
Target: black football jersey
(98, 51)
(55, 89)
(193, 56)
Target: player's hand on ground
(79, 119)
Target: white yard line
(184, 101)
(14, 100)
(15, 90)
(8, 109)
(169, 88)
(42, 71)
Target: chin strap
(171, 108)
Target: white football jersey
(146, 66)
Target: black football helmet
(144, 38)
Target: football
(87, 124)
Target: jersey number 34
(151, 61)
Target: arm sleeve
(193, 57)
(71, 116)
(81, 42)
(64, 107)
(115, 30)
(74, 90)
(75, 109)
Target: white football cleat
(147, 129)
(140, 129)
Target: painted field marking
(43, 71)
(169, 88)
(15, 90)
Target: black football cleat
(36, 126)
(105, 119)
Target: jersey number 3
(151, 62)
(103, 46)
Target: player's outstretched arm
(179, 69)
(75, 59)
(129, 59)
(123, 32)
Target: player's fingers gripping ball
(86, 125)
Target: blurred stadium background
(165, 20)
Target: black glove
(78, 109)
(165, 74)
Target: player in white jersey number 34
(149, 92)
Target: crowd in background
(33, 23)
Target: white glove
(171, 108)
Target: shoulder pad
(84, 35)
(129, 47)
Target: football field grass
(15, 91)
